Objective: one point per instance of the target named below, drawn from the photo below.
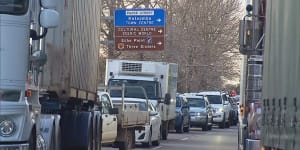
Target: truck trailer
(270, 107)
(159, 79)
(48, 77)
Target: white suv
(221, 109)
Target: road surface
(217, 139)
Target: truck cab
(20, 23)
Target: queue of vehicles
(51, 99)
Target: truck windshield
(13, 7)
(214, 99)
(151, 88)
(196, 102)
(10, 95)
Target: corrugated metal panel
(73, 48)
(281, 82)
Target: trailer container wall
(281, 76)
(73, 50)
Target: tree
(201, 37)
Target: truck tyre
(222, 124)
(180, 128)
(127, 143)
(157, 142)
(165, 130)
(90, 138)
(53, 139)
(32, 141)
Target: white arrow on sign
(160, 31)
(158, 20)
(159, 43)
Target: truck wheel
(90, 138)
(53, 143)
(32, 141)
(157, 143)
(127, 144)
(180, 128)
(165, 131)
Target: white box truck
(159, 79)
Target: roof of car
(192, 95)
(210, 93)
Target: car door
(109, 121)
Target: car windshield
(178, 101)
(214, 99)
(151, 88)
(9, 95)
(196, 102)
(14, 7)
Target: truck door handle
(114, 119)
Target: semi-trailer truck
(48, 77)
(270, 119)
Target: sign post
(139, 29)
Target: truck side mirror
(49, 18)
(245, 36)
(114, 111)
(49, 4)
(167, 99)
(153, 113)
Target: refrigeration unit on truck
(159, 79)
(62, 61)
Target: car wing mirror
(226, 102)
(153, 113)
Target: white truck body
(158, 79)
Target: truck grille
(132, 67)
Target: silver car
(200, 111)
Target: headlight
(7, 128)
(200, 114)
(220, 110)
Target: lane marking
(184, 139)
(158, 147)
